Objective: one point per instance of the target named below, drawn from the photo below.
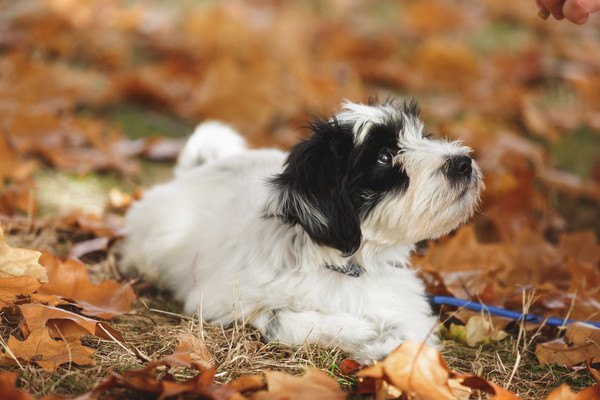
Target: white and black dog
(311, 245)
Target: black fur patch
(329, 184)
(316, 174)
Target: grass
(496, 362)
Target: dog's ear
(314, 189)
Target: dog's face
(370, 174)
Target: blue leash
(501, 312)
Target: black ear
(314, 189)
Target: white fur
(204, 236)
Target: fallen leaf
(8, 388)
(20, 262)
(70, 280)
(80, 221)
(191, 350)
(583, 345)
(246, 383)
(480, 329)
(12, 165)
(582, 245)
(559, 352)
(39, 347)
(349, 366)
(37, 316)
(315, 384)
(145, 381)
(581, 333)
(419, 371)
(563, 392)
(89, 246)
(13, 287)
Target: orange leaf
(69, 280)
(20, 262)
(420, 372)
(8, 388)
(248, 382)
(563, 392)
(584, 345)
(349, 366)
(315, 384)
(11, 288)
(48, 353)
(191, 350)
(37, 316)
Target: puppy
(311, 245)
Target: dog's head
(370, 174)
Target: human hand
(576, 11)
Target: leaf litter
(494, 74)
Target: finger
(555, 7)
(576, 11)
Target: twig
(132, 353)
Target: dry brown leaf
(581, 333)
(583, 245)
(559, 352)
(8, 388)
(502, 394)
(13, 287)
(70, 280)
(191, 350)
(12, 166)
(20, 262)
(419, 371)
(66, 323)
(563, 392)
(89, 246)
(145, 381)
(315, 384)
(39, 347)
(246, 383)
(80, 221)
(583, 345)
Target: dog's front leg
(345, 330)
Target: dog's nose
(460, 165)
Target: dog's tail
(210, 141)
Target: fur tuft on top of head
(362, 117)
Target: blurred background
(97, 96)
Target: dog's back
(182, 222)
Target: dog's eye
(385, 157)
(427, 135)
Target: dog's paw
(361, 331)
(376, 350)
